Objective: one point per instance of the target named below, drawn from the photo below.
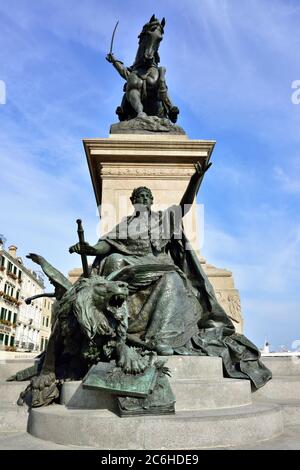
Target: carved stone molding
(114, 171)
(232, 305)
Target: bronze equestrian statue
(146, 92)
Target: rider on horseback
(146, 92)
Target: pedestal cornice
(143, 156)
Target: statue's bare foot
(130, 361)
(44, 390)
(164, 350)
(141, 114)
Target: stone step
(288, 365)
(102, 429)
(195, 367)
(74, 396)
(291, 412)
(279, 389)
(190, 395)
(10, 391)
(11, 366)
(13, 417)
(21, 440)
(210, 394)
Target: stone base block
(74, 396)
(190, 395)
(205, 394)
(195, 367)
(286, 365)
(184, 430)
(291, 412)
(13, 417)
(279, 389)
(10, 391)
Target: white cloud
(289, 183)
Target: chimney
(12, 250)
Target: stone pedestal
(211, 411)
(164, 163)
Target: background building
(10, 295)
(30, 316)
(19, 323)
(45, 328)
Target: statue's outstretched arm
(193, 186)
(118, 65)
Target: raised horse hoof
(173, 114)
(120, 113)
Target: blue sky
(230, 67)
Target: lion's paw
(44, 390)
(130, 361)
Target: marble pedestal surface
(210, 411)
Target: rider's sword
(83, 256)
(112, 38)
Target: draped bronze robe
(172, 303)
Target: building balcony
(11, 275)
(10, 299)
(7, 326)
(8, 323)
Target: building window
(9, 315)
(9, 267)
(15, 270)
(1, 338)
(15, 318)
(18, 295)
(3, 313)
(47, 322)
(2, 261)
(6, 340)
(12, 340)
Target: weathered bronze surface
(146, 293)
(173, 307)
(146, 125)
(146, 92)
(106, 376)
(159, 401)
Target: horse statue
(146, 92)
